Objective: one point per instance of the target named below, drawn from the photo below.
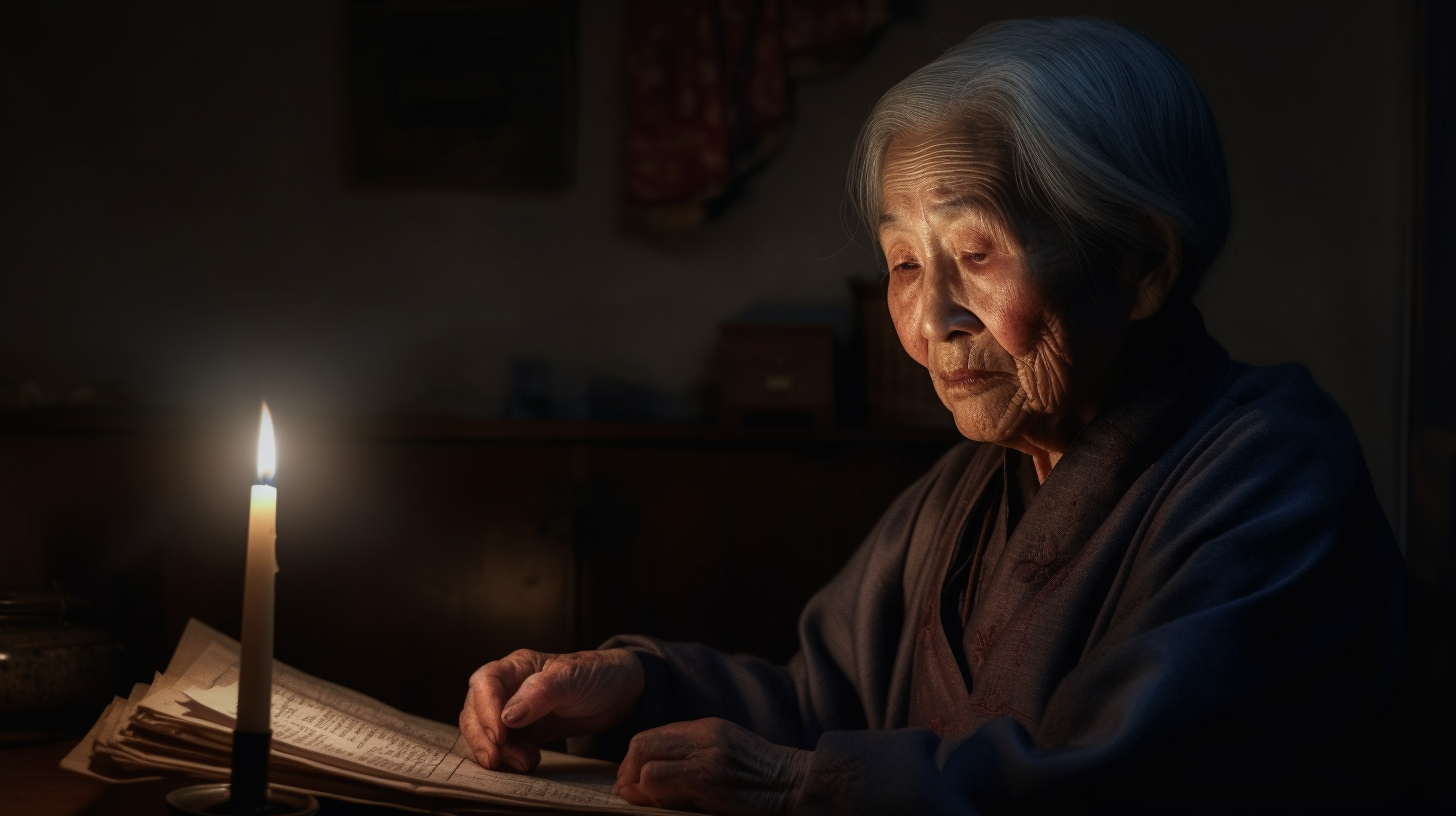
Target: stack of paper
(327, 741)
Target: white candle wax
(255, 682)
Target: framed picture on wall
(461, 93)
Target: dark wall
(1431, 549)
(174, 226)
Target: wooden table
(32, 783)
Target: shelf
(77, 423)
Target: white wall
(172, 215)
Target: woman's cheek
(905, 314)
(1017, 319)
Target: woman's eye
(905, 266)
(975, 257)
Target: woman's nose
(943, 314)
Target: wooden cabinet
(412, 552)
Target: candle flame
(267, 455)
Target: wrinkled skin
(1019, 346)
(528, 698)
(713, 765)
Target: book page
(319, 720)
(328, 740)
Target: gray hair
(1108, 135)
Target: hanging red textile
(708, 91)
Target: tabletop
(32, 783)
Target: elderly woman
(1152, 573)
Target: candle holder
(247, 794)
(216, 800)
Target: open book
(327, 741)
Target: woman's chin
(980, 425)
(984, 415)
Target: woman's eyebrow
(969, 201)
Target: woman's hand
(527, 698)
(713, 764)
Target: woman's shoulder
(1281, 397)
(1274, 423)
(1272, 386)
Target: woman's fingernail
(517, 764)
(490, 735)
(513, 713)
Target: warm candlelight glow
(267, 456)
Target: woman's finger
(495, 682)
(520, 756)
(540, 694)
(533, 753)
(669, 742)
(481, 747)
(666, 783)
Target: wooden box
(777, 374)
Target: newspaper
(327, 740)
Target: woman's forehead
(942, 166)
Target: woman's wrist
(796, 771)
(634, 686)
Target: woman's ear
(1151, 288)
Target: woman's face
(1018, 347)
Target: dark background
(181, 235)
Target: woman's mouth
(970, 379)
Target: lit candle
(255, 683)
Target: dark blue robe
(1201, 606)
